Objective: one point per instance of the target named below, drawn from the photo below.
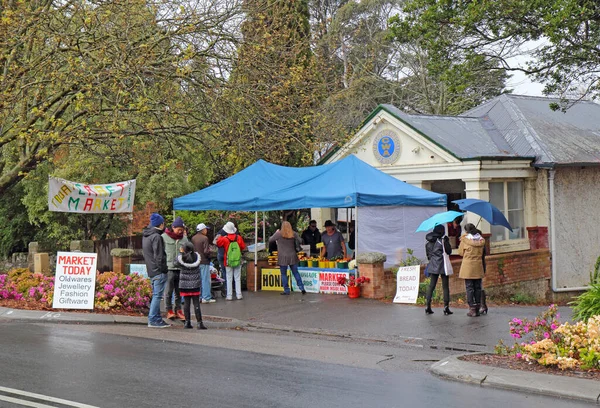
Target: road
(133, 366)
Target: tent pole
(255, 249)
(264, 230)
(356, 239)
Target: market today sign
(70, 196)
(75, 280)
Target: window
(507, 196)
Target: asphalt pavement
(369, 320)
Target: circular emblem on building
(386, 147)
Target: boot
(428, 310)
(484, 308)
(447, 311)
(201, 326)
(187, 325)
(473, 311)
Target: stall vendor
(312, 236)
(333, 240)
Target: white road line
(41, 397)
(24, 402)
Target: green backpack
(234, 254)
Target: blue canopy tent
(347, 183)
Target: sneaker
(229, 298)
(303, 292)
(240, 297)
(180, 315)
(208, 301)
(159, 325)
(170, 315)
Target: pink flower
(547, 335)
(553, 326)
(518, 355)
(516, 335)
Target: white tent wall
(391, 230)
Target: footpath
(369, 320)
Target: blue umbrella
(439, 218)
(484, 209)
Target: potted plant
(353, 284)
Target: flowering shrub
(352, 282)
(550, 343)
(113, 291)
(127, 292)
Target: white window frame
(515, 244)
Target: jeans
(172, 286)
(158, 289)
(473, 288)
(234, 273)
(205, 279)
(433, 278)
(284, 279)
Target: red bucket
(353, 292)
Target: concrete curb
(452, 368)
(19, 315)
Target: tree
(560, 38)
(274, 92)
(97, 73)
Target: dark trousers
(473, 288)
(433, 278)
(172, 286)
(187, 302)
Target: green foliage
(410, 259)
(595, 274)
(587, 304)
(16, 232)
(523, 298)
(436, 296)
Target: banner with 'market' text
(69, 196)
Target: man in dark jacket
(312, 236)
(201, 245)
(155, 257)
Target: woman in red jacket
(233, 266)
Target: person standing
(201, 244)
(333, 240)
(472, 249)
(437, 244)
(173, 238)
(352, 239)
(312, 236)
(153, 248)
(188, 262)
(288, 243)
(221, 261)
(233, 245)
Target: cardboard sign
(311, 281)
(69, 196)
(271, 279)
(75, 280)
(407, 284)
(138, 269)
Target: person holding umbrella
(472, 249)
(437, 244)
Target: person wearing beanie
(153, 248)
(173, 238)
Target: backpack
(234, 254)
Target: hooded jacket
(435, 252)
(153, 248)
(472, 249)
(189, 273)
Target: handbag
(447, 265)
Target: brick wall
(507, 271)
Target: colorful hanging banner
(69, 196)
